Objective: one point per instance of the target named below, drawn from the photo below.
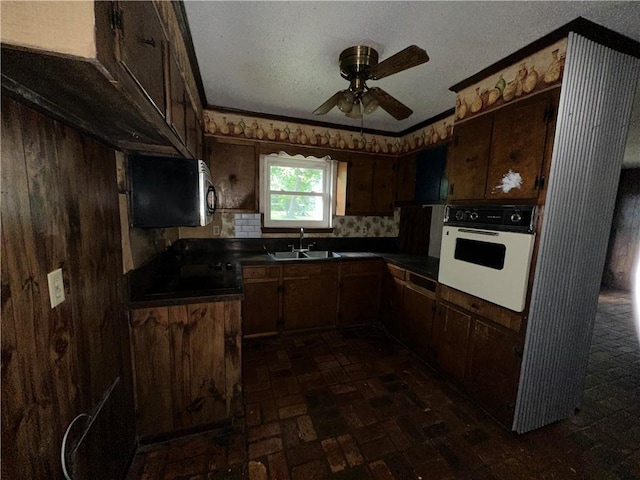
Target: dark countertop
(196, 277)
(427, 266)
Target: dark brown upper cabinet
(234, 169)
(127, 89)
(467, 166)
(503, 155)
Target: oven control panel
(519, 218)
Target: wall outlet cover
(56, 287)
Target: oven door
(491, 265)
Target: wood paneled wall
(624, 241)
(60, 210)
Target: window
(297, 191)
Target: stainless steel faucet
(301, 238)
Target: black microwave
(169, 192)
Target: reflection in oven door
(492, 265)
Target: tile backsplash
(247, 225)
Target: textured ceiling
(281, 58)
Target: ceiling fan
(359, 64)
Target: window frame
(329, 169)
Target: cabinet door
(193, 128)
(517, 149)
(310, 295)
(494, 370)
(406, 178)
(186, 361)
(261, 305)
(451, 334)
(141, 49)
(417, 329)
(392, 308)
(359, 181)
(176, 116)
(431, 182)
(234, 171)
(360, 284)
(467, 169)
(383, 192)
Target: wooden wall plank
(233, 357)
(150, 339)
(179, 326)
(206, 339)
(60, 209)
(15, 433)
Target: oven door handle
(479, 232)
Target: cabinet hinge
(539, 182)
(116, 19)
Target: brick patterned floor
(355, 404)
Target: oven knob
(459, 215)
(516, 217)
(473, 216)
(467, 214)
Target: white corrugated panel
(595, 106)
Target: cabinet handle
(517, 351)
(147, 41)
(451, 189)
(473, 305)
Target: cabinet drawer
(249, 273)
(360, 268)
(501, 316)
(424, 283)
(309, 270)
(396, 272)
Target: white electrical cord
(63, 449)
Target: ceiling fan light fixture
(356, 112)
(345, 101)
(369, 104)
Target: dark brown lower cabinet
(417, 328)
(261, 305)
(451, 334)
(494, 369)
(310, 295)
(391, 299)
(187, 363)
(360, 284)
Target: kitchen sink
(321, 254)
(309, 255)
(286, 255)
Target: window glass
(297, 191)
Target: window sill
(295, 230)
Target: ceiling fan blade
(404, 59)
(397, 110)
(328, 105)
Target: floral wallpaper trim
(533, 74)
(255, 128)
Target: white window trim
(330, 174)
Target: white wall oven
(486, 252)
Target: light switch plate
(56, 287)
(216, 230)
